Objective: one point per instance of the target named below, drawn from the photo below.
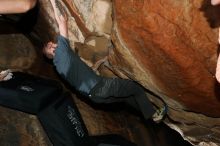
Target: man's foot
(160, 114)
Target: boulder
(168, 46)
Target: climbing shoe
(160, 114)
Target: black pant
(28, 93)
(110, 90)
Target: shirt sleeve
(63, 57)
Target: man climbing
(84, 79)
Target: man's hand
(5, 75)
(49, 50)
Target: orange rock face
(175, 49)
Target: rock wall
(174, 48)
(168, 46)
(16, 52)
(172, 51)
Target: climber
(83, 78)
(16, 6)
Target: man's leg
(120, 90)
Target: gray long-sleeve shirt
(72, 68)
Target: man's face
(215, 2)
(49, 50)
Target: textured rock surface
(174, 49)
(171, 50)
(16, 52)
(20, 129)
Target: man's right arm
(63, 53)
(61, 17)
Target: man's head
(215, 2)
(49, 50)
